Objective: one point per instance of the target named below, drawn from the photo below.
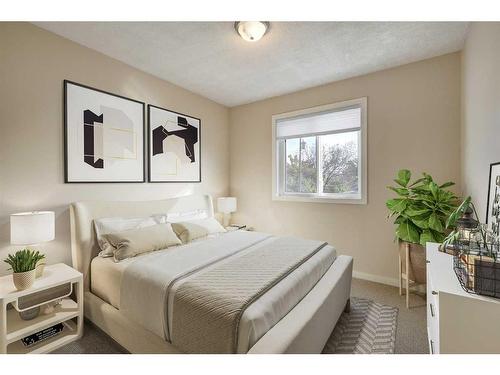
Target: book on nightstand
(45, 334)
(232, 227)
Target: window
(319, 154)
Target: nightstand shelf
(69, 334)
(69, 311)
(18, 328)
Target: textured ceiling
(210, 59)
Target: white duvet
(138, 286)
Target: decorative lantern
(466, 227)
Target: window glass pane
(308, 169)
(292, 169)
(301, 165)
(340, 162)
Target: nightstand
(68, 312)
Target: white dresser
(458, 322)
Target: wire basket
(478, 273)
(476, 261)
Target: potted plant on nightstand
(23, 263)
(420, 210)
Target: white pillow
(177, 217)
(115, 225)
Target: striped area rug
(370, 328)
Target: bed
(295, 315)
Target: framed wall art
(103, 136)
(174, 146)
(493, 202)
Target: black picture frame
(67, 82)
(489, 191)
(149, 145)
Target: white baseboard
(384, 280)
(375, 278)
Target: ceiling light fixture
(251, 31)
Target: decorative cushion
(191, 230)
(134, 242)
(115, 225)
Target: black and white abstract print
(174, 152)
(493, 203)
(104, 139)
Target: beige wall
(33, 64)
(413, 122)
(481, 109)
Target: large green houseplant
(420, 212)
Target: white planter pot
(24, 280)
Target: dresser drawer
(432, 306)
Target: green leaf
(399, 219)
(23, 260)
(435, 223)
(416, 182)
(427, 177)
(420, 222)
(400, 191)
(404, 176)
(426, 236)
(413, 212)
(446, 184)
(434, 189)
(397, 205)
(452, 219)
(407, 231)
(438, 236)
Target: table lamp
(32, 228)
(226, 205)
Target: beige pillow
(117, 224)
(191, 230)
(139, 241)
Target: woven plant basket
(23, 280)
(417, 271)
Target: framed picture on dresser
(493, 201)
(174, 146)
(104, 137)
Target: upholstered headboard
(82, 214)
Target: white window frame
(278, 180)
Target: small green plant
(23, 260)
(421, 209)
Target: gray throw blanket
(209, 305)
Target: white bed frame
(305, 329)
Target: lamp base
(225, 219)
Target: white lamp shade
(226, 205)
(28, 228)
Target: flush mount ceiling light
(251, 31)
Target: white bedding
(148, 275)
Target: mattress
(258, 318)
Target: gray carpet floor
(411, 335)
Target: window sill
(318, 199)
